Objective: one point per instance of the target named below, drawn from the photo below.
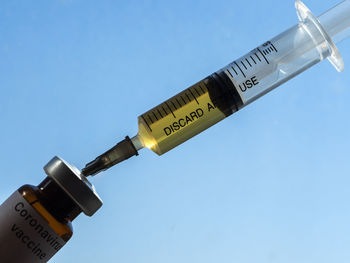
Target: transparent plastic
(336, 21)
(255, 74)
(243, 81)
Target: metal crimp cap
(76, 186)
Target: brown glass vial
(54, 205)
(36, 221)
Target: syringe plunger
(336, 21)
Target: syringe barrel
(236, 85)
(277, 61)
(295, 50)
(243, 81)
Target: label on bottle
(25, 236)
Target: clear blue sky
(268, 184)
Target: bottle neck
(57, 201)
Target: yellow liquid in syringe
(234, 86)
(178, 119)
(175, 121)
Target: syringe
(236, 85)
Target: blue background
(269, 184)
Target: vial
(36, 221)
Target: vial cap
(76, 185)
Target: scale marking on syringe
(171, 106)
(146, 123)
(155, 116)
(233, 87)
(244, 65)
(230, 73)
(161, 115)
(178, 102)
(172, 103)
(187, 97)
(240, 69)
(248, 62)
(257, 56)
(170, 109)
(196, 91)
(194, 96)
(166, 113)
(201, 88)
(247, 66)
(263, 56)
(149, 117)
(251, 60)
(234, 70)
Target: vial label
(24, 235)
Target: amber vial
(36, 221)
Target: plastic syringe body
(239, 83)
